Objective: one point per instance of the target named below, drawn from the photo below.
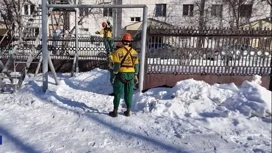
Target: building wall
(174, 14)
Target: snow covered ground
(191, 117)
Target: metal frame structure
(20, 35)
(45, 54)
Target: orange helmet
(127, 37)
(104, 24)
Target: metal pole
(38, 67)
(76, 22)
(115, 20)
(143, 47)
(75, 61)
(95, 6)
(270, 81)
(53, 70)
(44, 46)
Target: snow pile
(199, 99)
(257, 99)
(193, 116)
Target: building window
(33, 32)
(29, 9)
(37, 31)
(217, 10)
(26, 9)
(135, 19)
(83, 12)
(107, 12)
(160, 10)
(84, 29)
(245, 10)
(32, 8)
(188, 9)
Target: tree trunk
(201, 23)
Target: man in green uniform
(125, 69)
(110, 65)
(107, 35)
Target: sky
(191, 117)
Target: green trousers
(120, 87)
(109, 45)
(111, 76)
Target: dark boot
(127, 112)
(113, 113)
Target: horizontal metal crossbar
(94, 6)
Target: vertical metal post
(271, 14)
(76, 21)
(143, 47)
(270, 84)
(75, 61)
(270, 81)
(115, 20)
(44, 46)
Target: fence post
(270, 80)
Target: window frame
(188, 10)
(244, 12)
(135, 19)
(107, 12)
(32, 8)
(26, 9)
(160, 10)
(217, 10)
(83, 12)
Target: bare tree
(234, 13)
(237, 9)
(269, 2)
(201, 14)
(10, 12)
(201, 21)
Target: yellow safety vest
(107, 32)
(126, 61)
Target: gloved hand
(136, 81)
(108, 22)
(113, 79)
(110, 65)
